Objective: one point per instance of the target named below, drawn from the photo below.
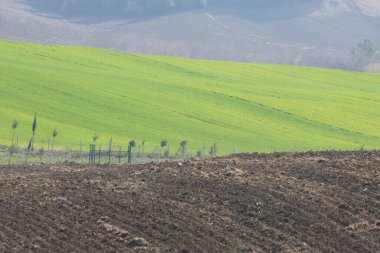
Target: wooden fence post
(119, 154)
(129, 154)
(100, 153)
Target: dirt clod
(138, 242)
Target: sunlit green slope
(256, 107)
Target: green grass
(256, 107)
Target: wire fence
(93, 156)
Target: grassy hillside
(255, 107)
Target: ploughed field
(304, 202)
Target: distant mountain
(101, 10)
(92, 10)
(301, 32)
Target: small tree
(143, 147)
(213, 150)
(13, 148)
(95, 137)
(132, 143)
(54, 134)
(364, 53)
(30, 145)
(110, 144)
(41, 153)
(163, 144)
(14, 127)
(131, 146)
(34, 128)
(166, 153)
(182, 148)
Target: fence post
(129, 154)
(100, 153)
(119, 154)
(109, 155)
(91, 154)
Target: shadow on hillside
(96, 11)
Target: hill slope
(256, 107)
(300, 32)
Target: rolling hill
(257, 107)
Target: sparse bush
(182, 148)
(14, 127)
(213, 151)
(54, 134)
(132, 143)
(164, 143)
(110, 144)
(142, 147)
(95, 137)
(131, 146)
(41, 153)
(12, 150)
(166, 153)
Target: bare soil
(284, 202)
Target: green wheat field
(255, 107)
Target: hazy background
(329, 33)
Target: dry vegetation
(374, 67)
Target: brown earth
(309, 202)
